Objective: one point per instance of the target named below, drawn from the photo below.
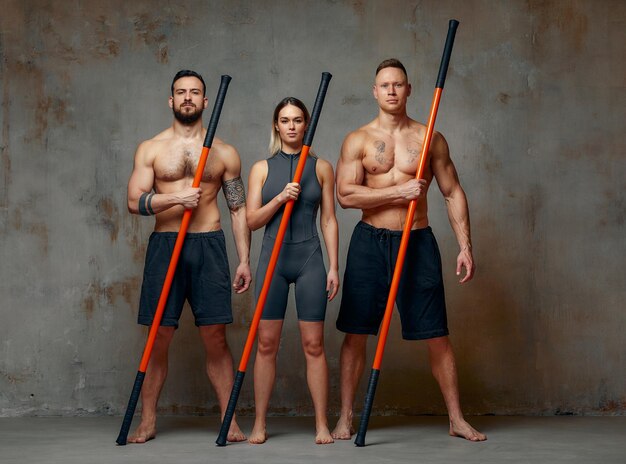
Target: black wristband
(142, 204)
(149, 204)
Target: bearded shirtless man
(376, 174)
(160, 185)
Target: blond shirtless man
(160, 185)
(376, 174)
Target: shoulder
(226, 154)
(223, 149)
(354, 143)
(439, 146)
(324, 171)
(259, 167)
(322, 166)
(258, 172)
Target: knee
(355, 343)
(164, 336)
(313, 347)
(439, 345)
(214, 341)
(267, 346)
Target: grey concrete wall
(534, 114)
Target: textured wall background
(534, 113)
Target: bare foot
(463, 430)
(343, 429)
(145, 432)
(258, 435)
(323, 436)
(234, 433)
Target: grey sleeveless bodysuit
(300, 261)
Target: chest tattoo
(380, 151)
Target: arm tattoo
(145, 204)
(380, 151)
(234, 193)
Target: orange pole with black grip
(404, 242)
(171, 270)
(269, 273)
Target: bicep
(232, 185)
(350, 169)
(232, 164)
(142, 177)
(443, 167)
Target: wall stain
(491, 162)
(14, 378)
(149, 32)
(107, 47)
(27, 73)
(100, 293)
(570, 23)
(358, 7)
(351, 100)
(533, 203)
(134, 237)
(109, 216)
(504, 97)
(40, 230)
(5, 153)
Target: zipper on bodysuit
(290, 179)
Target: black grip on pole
(130, 409)
(317, 109)
(367, 408)
(230, 409)
(447, 52)
(217, 110)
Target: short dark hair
(391, 63)
(188, 73)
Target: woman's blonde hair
(275, 142)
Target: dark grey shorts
(202, 277)
(369, 270)
(301, 264)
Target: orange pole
(269, 273)
(171, 270)
(404, 241)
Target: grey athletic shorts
(202, 277)
(299, 263)
(369, 270)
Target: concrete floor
(183, 440)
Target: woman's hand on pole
(290, 192)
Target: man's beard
(187, 118)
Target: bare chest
(387, 156)
(181, 162)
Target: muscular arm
(456, 203)
(328, 224)
(351, 192)
(141, 199)
(236, 200)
